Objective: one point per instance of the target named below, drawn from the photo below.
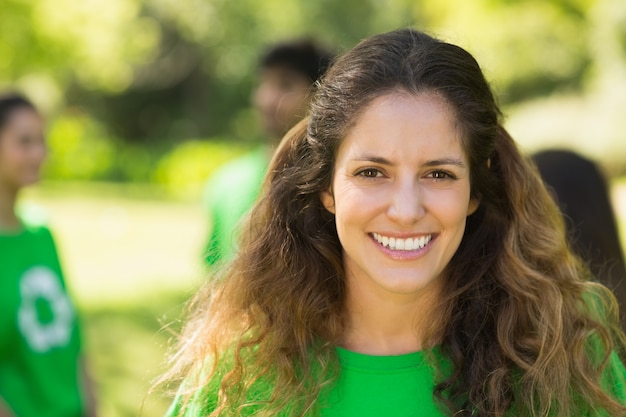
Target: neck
(389, 324)
(8, 218)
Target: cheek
(266, 99)
(18, 159)
(356, 206)
(291, 103)
(451, 206)
(9, 167)
(10, 156)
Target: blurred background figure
(288, 72)
(581, 191)
(41, 369)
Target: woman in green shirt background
(42, 372)
(404, 260)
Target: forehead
(403, 123)
(22, 120)
(21, 114)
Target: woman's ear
(474, 202)
(472, 206)
(328, 201)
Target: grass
(132, 258)
(126, 348)
(117, 248)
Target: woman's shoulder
(614, 378)
(199, 393)
(34, 218)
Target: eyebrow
(432, 163)
(447, 161)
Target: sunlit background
(144, 99)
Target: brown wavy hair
(518, 315)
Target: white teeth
(403, 244)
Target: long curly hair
(518, 314)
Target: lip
(404, 254)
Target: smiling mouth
(408, 244)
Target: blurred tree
(199, 80)
(91, 42)
(151, 70)
(528, 47)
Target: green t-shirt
(39, 340)
(229, 194)
(371, 386)
(374, 386)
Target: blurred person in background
(42, 372)
(582, 193)
(288, 71)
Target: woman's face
(22, 149)
(281, 99)
(400, 195)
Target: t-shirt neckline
(383, 362)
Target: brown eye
(441, 175)
(25, 140)
(369, 173)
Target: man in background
(288, 72)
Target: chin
(411, 285)
(405, 287)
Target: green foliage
(528, 48)
(80, 149)
(134, 163)
(126, 350)
(111, 50)
(184, 171)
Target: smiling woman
(404, 259)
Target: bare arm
(5, 411)
(89, 392)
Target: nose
(406, 204)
